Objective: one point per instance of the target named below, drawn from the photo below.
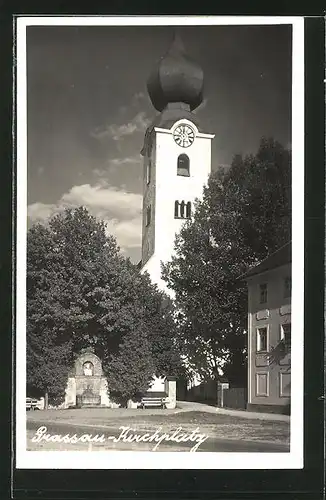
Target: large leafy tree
(245, 215)
(132, 367)
(49, 348)
(83, 293)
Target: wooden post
(46, 400)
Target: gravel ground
(216, 427)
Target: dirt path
(222, 431)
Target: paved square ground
(225, 432)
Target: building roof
(175, 87)
(279, 258)
(176, 79)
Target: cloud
(116, 165)
(120, 210)
(137, 98)
(107, 198)
(123, 110)
(116, 132)
(38, 212)
(137, 101)
(125, 161)
(138, 124)
(127, 233)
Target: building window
(182, 210)
(262, 339)
(188, 210)
(287, 287)
(183, 168)
(286, 334)
(148, 171)
(176, 209)
(148, 216)
(263, 293)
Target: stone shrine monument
(87, 387)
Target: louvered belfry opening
(182, 210)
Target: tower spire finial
(177, 43)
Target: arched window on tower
(188, 210)
(182, 210)
(148, 215)
(182, 206)
(148, 170)
(176, 209)
(183, 168)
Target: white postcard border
(165, 460)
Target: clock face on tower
(184, 135)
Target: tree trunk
(46, 400)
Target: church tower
(177, 157)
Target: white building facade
(269, 333)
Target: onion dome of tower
(176, 79)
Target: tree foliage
(245, 214)
(278, 353)
(131, 368)
(81, 292)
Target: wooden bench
(31, 404)
(148, 401)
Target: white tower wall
(169, 187)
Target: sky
(88, 110)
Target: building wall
(171, 390)
(204, 391)
(170, 187)
(268, 383)
(149, 187)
